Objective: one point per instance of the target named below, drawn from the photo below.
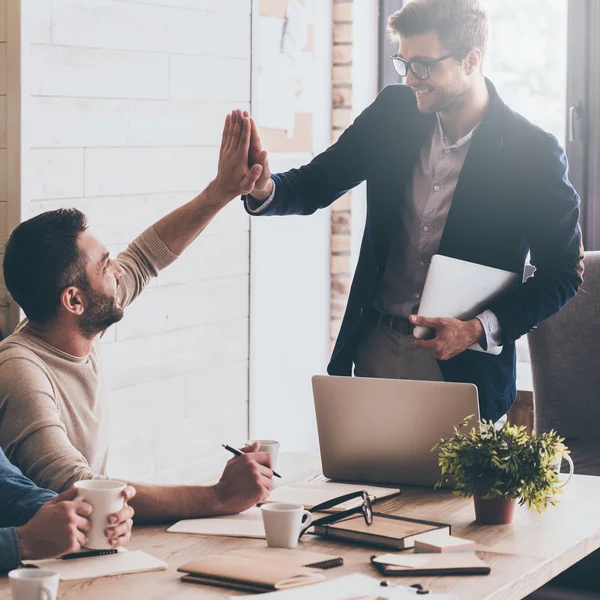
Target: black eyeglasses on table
(421, 69)
(365, 508)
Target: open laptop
(383, 430)
(461, 290)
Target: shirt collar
(445, 142)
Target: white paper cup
(33, 584)
(268, 447)
(283, 523)
(106, 498)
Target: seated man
(53, 415)
(36, 523)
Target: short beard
(448, 102)
(101, 313)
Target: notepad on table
(252, 574)
(465, 563)
(291, 557)
(386, 531)
(311, 493)
(121, 563)
(246, 524)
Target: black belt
(398, 324)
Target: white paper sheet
(274, 105)
(122, 563)
(246, 524)
(351, 586)
(295, 34)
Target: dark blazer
(512, 198)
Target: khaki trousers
(388, 354)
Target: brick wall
(341, 118)
(124, 111)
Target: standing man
(450, 169)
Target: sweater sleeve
(31, 431)
(143, 259)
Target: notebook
(295, 557)
(386, 531)
(122, 563)
(246, 524)
(311, 493)
(465, 563)
(252, 574)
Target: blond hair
(460, 24)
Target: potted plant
(499, 467)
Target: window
(527, 59)
(387, 74)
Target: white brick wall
(125, 105)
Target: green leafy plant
(502, 463)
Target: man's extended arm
(330, 174)
(182, 226)
(161, 244)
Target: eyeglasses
(421, 69)
(365, 508)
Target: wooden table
(523, 556)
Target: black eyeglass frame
(366, 509)
(408, 64)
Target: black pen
(240, 453)
(88, 554)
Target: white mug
(106, 498)
(33, 584)
(571, 470)
(268, 447)
(284, 522)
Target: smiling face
(102, 306)
(449, 80)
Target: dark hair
(42, 259)
(460, 24)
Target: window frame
(583, 114)
(387, 73)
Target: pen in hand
(237, 452)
